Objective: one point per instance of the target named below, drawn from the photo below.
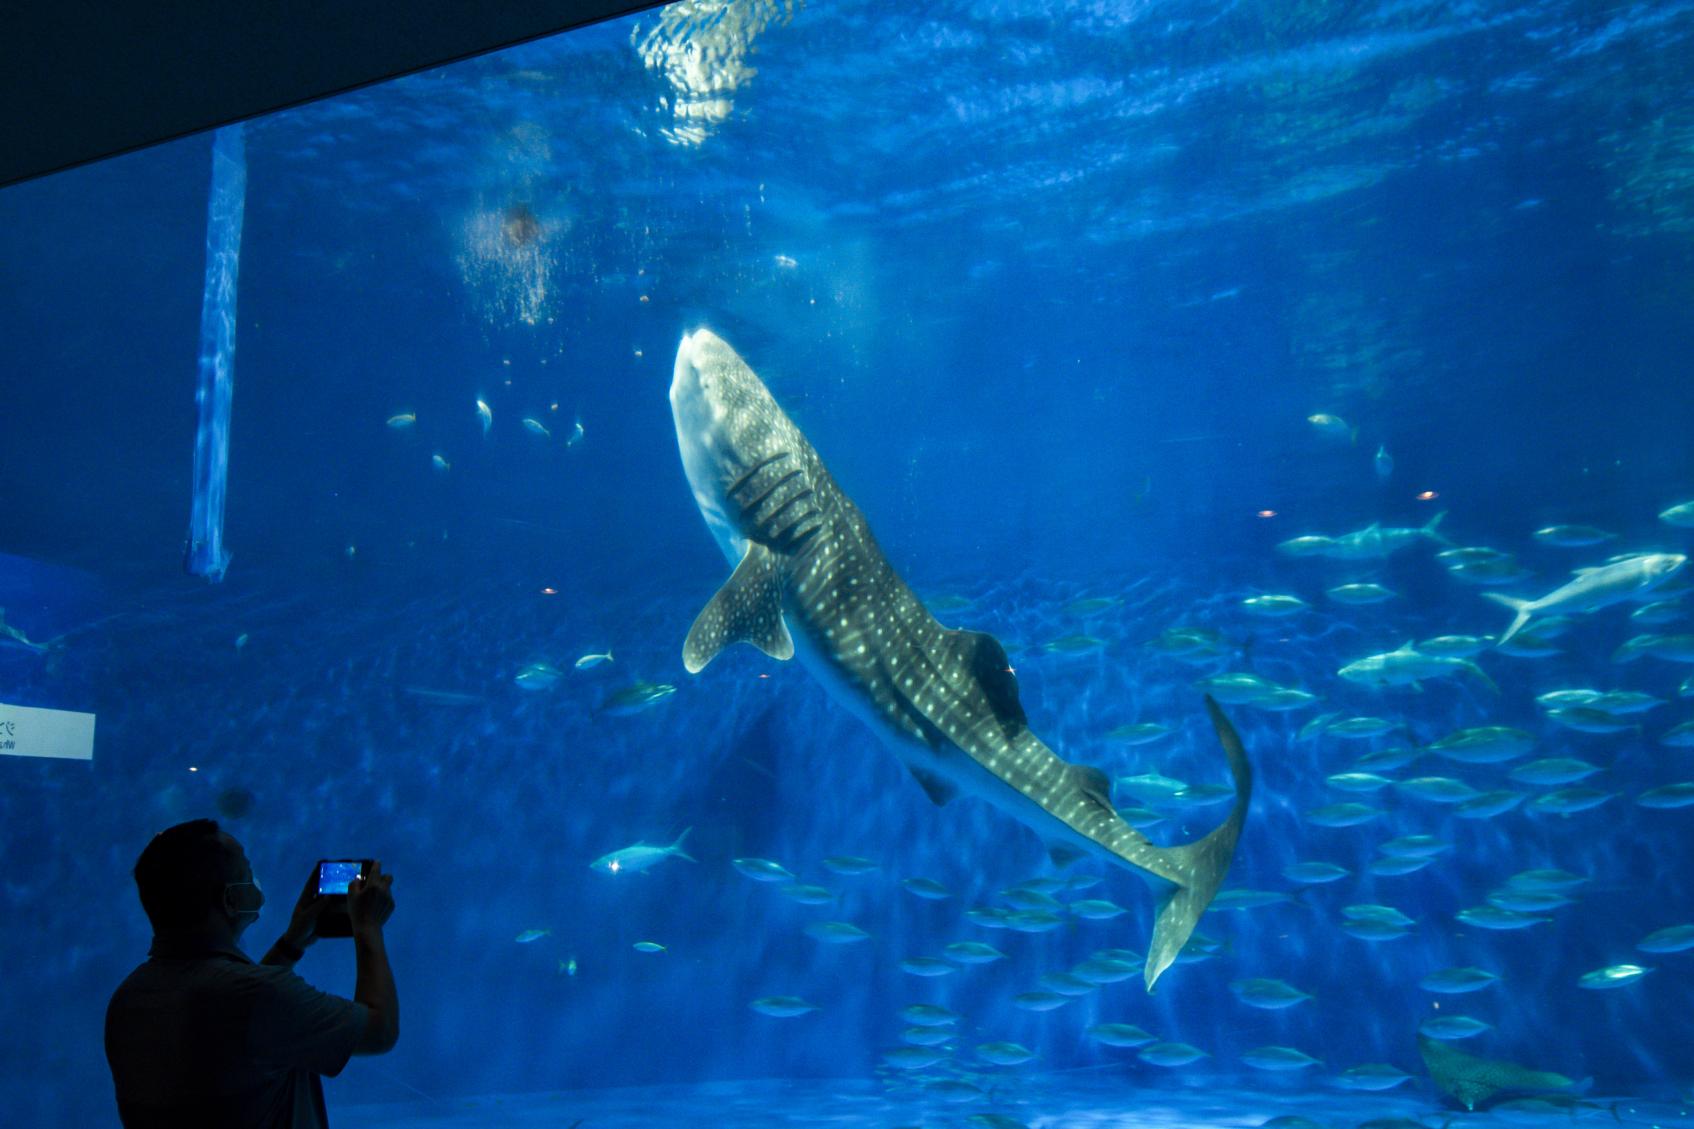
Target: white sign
(26, 731)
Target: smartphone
(334, 877)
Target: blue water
(1053, 290)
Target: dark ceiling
(81, 80)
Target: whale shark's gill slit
(754, 503)
(779, 531)
(750, 472)
(805, 531)
(777, 500)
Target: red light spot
(764, 676)
(549, 591)
(1267, 513)
(1428, 496)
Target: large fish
(811, 581)
(1627, 578)
(1409, 666)
(1472, 1081)
(1378, 542)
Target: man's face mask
(242, 901)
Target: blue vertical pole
(205, 554)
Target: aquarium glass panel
(967, 564)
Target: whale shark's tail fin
(1201, 864)
(1521, 607)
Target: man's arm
(302, 926)
(369, 903)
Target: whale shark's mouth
(699, 410)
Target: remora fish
(811, 580)
(1594, 588)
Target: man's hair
(182, 872)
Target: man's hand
(303, 924)
(369, 901)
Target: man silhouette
(199, 1035)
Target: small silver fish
(1278, 1058)
(1451, 1027)
(1268, 995)
(1672, 939)
(1314, 873)
(1333, 427)
(763, 870)
(639, 857)
(636, 697)
(1682, 515)
(1120, 1035)
(927, 888)
(538, 676)
(1457, 981)
(782, 1007)
(1613, 976)
(1140, 733)
(1004, 1054)
(837, 933)
(1274, 606)
(1359, 594)
(1572, 536)
(1171, 1054)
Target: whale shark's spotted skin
(811, 580)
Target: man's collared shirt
(204, 1037)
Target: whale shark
(810, 581)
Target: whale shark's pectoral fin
(748, 606)
(1199, 867)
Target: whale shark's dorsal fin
(748, 606)
(986, 660)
